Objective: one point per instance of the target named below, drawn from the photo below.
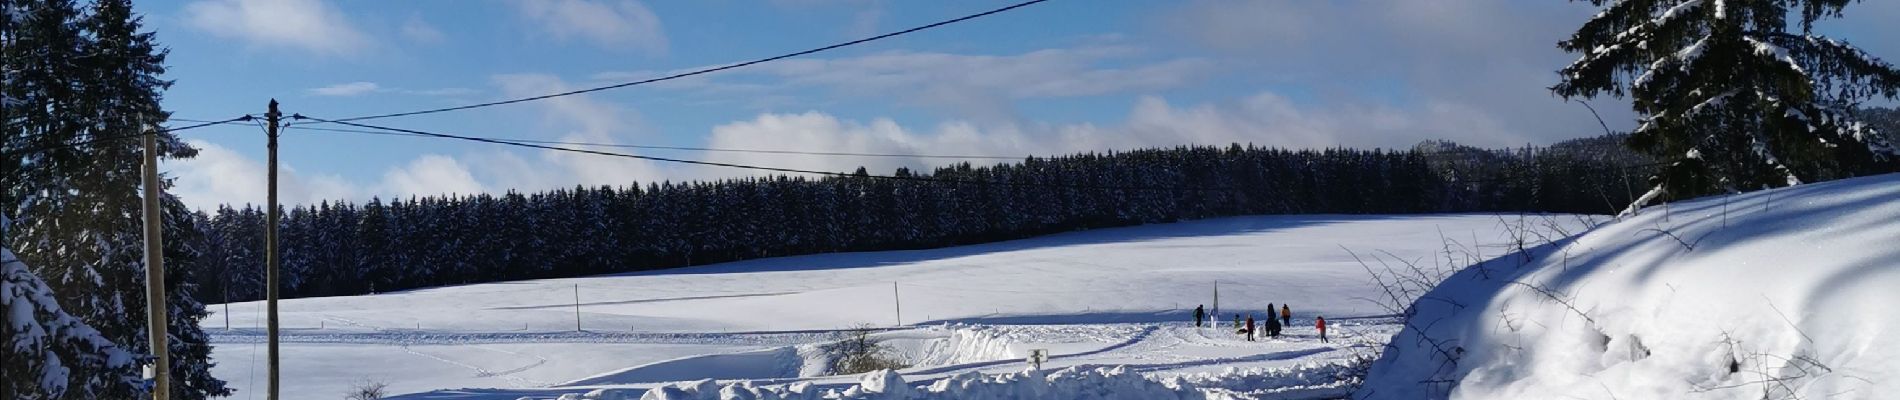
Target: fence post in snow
(897, 303)
(577, 307)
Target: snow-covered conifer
(1737, 95)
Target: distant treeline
(342, 248)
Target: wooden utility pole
(577, 307)
(155, 306)
(270, 252)
(898, 302)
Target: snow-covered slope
(1110, 275)
(1786, 293)
(1098, 298)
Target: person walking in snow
(1320, 322)
(1199, 313)
(1273, 322)
(1250, 327)
(1286, 315)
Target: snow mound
(1309, 381)
(957, 345)
(1318, 380)
(1783, 293)
(1073, 383)
(935, 347)
(780, 362)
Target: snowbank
(1309, 381)
(1099, 383)
(1318, 380)
(1783, 293)
(935, 347)
(962, 345)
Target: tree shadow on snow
(1132, 234)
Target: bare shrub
(855, 351)
(368, 390)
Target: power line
(121, 137)
(751, 167)
(38, 135)
(700, 71)
(210, 122)
(707, 149)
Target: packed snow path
(1102, 297)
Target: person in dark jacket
(1250, 327)
(1273, 321)
(1199, 314)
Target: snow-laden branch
(1763, 48)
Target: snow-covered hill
(1786, 293)
(1094, 299)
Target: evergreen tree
(1734, 94)
(79, 83)
(1886, 120)
(42, 40)
(51, 354)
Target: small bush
(854, 351)
(367, 390)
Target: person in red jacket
(1249, 327)
(1320, 322)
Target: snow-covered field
(1778, 294)
(1098, 298)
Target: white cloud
(1485, 63)
(430, 174)
(440, 92)
(1266, 119)
(579, 119)
(1041, 73)
(973, 86)
(417, 30)
(347, 89)
(1271, 119)
(222, 176)
(815, 131)
(611, 24)
(219, 175)
(362, 88)
(309, 25)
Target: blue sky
(1060, 77)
